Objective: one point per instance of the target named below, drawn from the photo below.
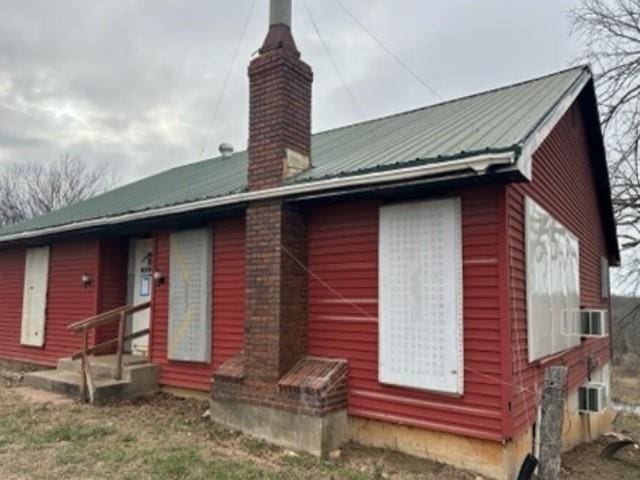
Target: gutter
(479, 164)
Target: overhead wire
(404, 65)
(227, 77)
(391, 53)
(519, 387)
(333, 61)
(368, 316)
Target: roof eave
(539, 134)
(478, 164)
(534, 139)
(601, 173)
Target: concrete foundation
(321, 435)
(315, 435)
(580, 427)
(500, 461)
(186, 393)
(488, 458)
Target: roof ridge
(457, 99)
(404, 112)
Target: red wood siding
(67, 301)
(113, 281)
(343, 317)
(563, 184)
(228, 290)
(11, 289)
(227, 308)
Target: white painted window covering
(190, 263)
(420, 304)
(553, 282)
(34, 299)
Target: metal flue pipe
(280, 13)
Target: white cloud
(135, 82)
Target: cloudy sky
(136, 82)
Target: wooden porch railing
(118, 315)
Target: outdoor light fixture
(158, 277)
(85, 279)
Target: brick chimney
(273, 378)
(279, 105)
(279, 146)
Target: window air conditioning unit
(585, 323)
(593, 323)
(592, 398)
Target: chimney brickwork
(279, 115)
(272, 369)
(276, 291)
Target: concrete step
(103, 366)
(138, 378)
(143, 379)
(68, 383)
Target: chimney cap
(279, 35)
(280, 13)
(225, 149)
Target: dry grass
(19, 367)
(625, 381)
(164, 437)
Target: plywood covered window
(34, 299)
(553, 283)
(420, 304)
(189, 336)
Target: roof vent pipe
(226, 150)
(280, 13)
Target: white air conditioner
(593, 323)
(585, 323)
(592, 398)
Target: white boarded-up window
(34, 298)
(190, 264)
(420, 304)
(553, 283)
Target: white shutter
(553, 282)
(190, 261)
(34, 299)
(420, 304)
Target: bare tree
(31, 189)
(611, 31)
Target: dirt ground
(164, 437)
(625, 381)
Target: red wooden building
(402, 282)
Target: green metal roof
(494, 121)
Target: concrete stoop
(138, 378)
